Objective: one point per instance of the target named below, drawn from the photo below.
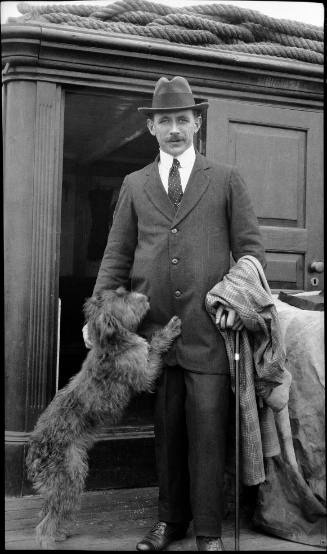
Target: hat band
(173, 100)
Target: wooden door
(279, 153)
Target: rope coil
(166, 33)
(266, 35)
(223, 30)
(219, 26)
(239, 15)
(129, 5)
(79, 9)
(272, 49)
(137, 17)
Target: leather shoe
(161, 535)
(212, 544)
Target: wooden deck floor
(115, 520)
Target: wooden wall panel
(272, 161)
(278, 152)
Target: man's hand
(226, 318)
(85, 332)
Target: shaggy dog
(120, 364)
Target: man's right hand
(85, 332)
(227, 318)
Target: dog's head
(110, 313)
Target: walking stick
(237, 441)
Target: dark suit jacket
(176, 258)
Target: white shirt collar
(186, 159)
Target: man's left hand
(227, 318)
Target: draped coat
(175, 258)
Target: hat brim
(148, 111)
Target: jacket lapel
(156, 193)
(196, 186)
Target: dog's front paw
(173, 327)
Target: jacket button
(177, 293)
(174, 231)
(174, 261)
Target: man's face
(174, 130)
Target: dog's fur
(120, 364)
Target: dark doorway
(105, 138)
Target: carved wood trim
(37, 41)
(110, 434)
(90, 58)
(45, 248)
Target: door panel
(255, 149)
(292, 265)
(278, 152)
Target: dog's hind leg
(69, 497)
(46, 532)
(57, 519)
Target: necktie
(175, 191)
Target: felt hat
(172, 95)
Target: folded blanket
(262, 364)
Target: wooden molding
(110, 434)
(14, 437)
(86, 57)
(45, 235)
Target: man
(176, 222)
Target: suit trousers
(191, 427)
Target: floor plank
(115, 520)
